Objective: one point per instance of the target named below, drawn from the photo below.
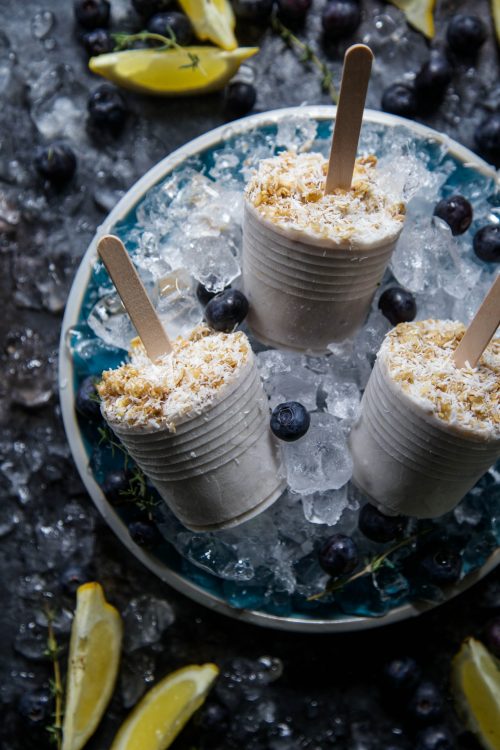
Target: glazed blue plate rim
(66, 377)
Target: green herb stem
(55, 729)
(306, 55)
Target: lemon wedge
(419, 14)
(159, 717)
(213, 20)
(495, 9)
(475, 679)
(94, 656)
(171, 72)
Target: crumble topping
(419, 358)
(288, 190)
(144, 393)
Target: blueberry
(487, 138)
(431, 82)
(340, 19)
(401, 675)
(398, 305)
(115, 485)
(145, 533)
(435, 738)
(148, 8)
(107, 108)
(72, 577)
(239, 98)
(204, 295)
(456, 211)
(97, 42)
(399, 99)
(339, 555)
(55, 163)
(293, 12)
(176, 22)
(92, 14)
(465, 35)
(377, 526)
(487, 243)
(226, 310)
(35, 707)
(441, 565)
(426, 704)
(290, 421)
(492, 636)
(87, 400)
(253, 11)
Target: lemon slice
(495, 9)
(94, 656)
(159, 717)
(419, 14)
(213, 20)
(171, 72)
(475, 680)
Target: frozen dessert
(428, 430)
(312, 262)
(196, 421)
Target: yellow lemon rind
(419, 14)
(474, 667)
(202, 677)
(93, 613)
(212, 21)
(166, 72)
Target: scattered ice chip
(320, 460)
(296, 133)
(41, 24)
(212, 261)
(342, 398)
(137, 672)
(145, 620)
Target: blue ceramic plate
(82, 354)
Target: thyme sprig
(306, 55)
(166, 42)
(53, 651)
(137, 491)
(371, 567)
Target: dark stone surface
(329, 693)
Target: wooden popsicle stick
(481, 329)
(355, 76)
(134, 296)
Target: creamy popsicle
(312, 261)
(196, 421)
(428, 430)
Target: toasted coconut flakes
(288, 189)
(420, 358)
(145, 393)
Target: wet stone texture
(277, 691)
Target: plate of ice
(182, 225)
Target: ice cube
(296, 133)
(342, 398)
(325, 507)
(178, 307)
(109, 320)
(211, 260)
(285, 379)
(320, 460)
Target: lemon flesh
(169, 72)
(159, 717)
(419, 14)
(213, 20)
(94, 656)
(475, 680)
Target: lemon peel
(475, 681)
(213, 20)
(182, 71)
(419, 14)
(165, 709)
(94, 657)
